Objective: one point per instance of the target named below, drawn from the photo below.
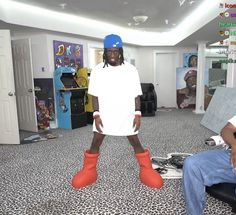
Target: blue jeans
(205, 169)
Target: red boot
(148, 175)
(88, 174)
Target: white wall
(145, 63)
(43, 56)
(43, 59)
(39, 53)
(39, 45)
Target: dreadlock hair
(105, 58)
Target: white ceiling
(119, 13)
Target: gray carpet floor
(35, 178)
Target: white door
(165, 79)
(8, 112)
(25, 95)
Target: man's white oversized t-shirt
(116, 88)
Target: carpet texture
(35, 178)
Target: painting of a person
(186, 97)
(192, 61)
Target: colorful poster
(67, 54)
(44, 99)
(190, 60)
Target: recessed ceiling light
(63, 5)
(181, 2)
(166, 21)
(191, 2)
(140, 19)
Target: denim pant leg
(205, 169)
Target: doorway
(8, 112)
(165, 64)
(95, 56)
(25, 95)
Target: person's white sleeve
(233, 121)
(218, 140)
(93, 84)
(137, 85)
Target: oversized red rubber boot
(88, 174)
(148, 175)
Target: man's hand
(98, 124)
(184, 91)
(228, 136)
(137, 123)
(233, 156)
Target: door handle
(30, 90)
(10, 94)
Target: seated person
(208, 168)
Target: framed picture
(68, 54)
(190, 60)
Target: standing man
(115, 89)
(208, 168)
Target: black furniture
(224, 192)
(148, 99)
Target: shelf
(71, 89)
